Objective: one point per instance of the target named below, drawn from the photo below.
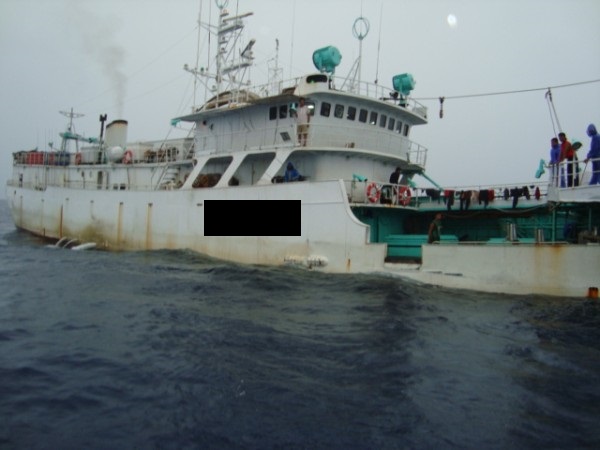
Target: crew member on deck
(302, 121)
(594, 153)
(555, 163)
(434, 229)
(395, 176)
(291, 174)
(567, 152)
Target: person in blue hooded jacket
(291, 174)
(555, 163)
(594, 153)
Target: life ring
(77, 158)
(128, 157)
(373, 192)
(404, 195)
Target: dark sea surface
(173, 350)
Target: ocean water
(173, 350)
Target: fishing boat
(252, 184)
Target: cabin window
(391, 124)
(325, 109)
(273, 113)
(351, 113)
(406, 128)
(339, 111)
(319, 78)
(283, 111)
(399, 127)
(362, 116)
(373, 118)
(382, 120)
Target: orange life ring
(128, 157)
(77, 158)
(404, 195)
(373, 192)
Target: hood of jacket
(591, 129)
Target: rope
(554, 110)
(549, 101)
(520, 91)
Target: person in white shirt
(302, 120)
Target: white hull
(130, 220)
(542, 269)
(134, 220)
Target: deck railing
(570, 174)
(367, 89)
(375, 193)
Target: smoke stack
(116, 134)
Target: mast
(197, 53)
(230, 67)
(275, 73)
(70, 133)
(360, 29)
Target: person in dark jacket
(434, 232)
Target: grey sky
(125, 57)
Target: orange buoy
(373, 192)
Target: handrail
(365, 88)
(357, 191)
(559, 174)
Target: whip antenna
(378, 46)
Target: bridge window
(339, 111)
(391, 124)
(273, 113)
(373, 118)
(406, 128)
(319, 78)
(362, 116)
(399, 127)
(351, 113)
(382, 120)
(283, 110)
(325, 109)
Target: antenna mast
(228, 64)
(70, 134)
(275, 73)
(360, 29)
(197, 53)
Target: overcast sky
(125, 58)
